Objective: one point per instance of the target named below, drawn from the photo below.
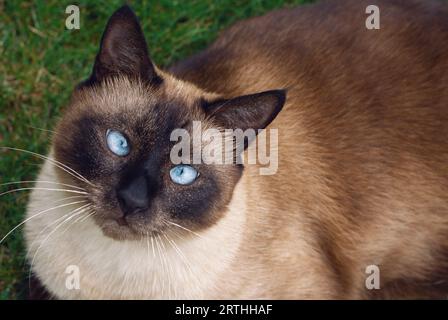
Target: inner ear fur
(253, 111)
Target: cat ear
(255, 111)
(123, 50)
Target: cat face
(116, 134)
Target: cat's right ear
(123, 50)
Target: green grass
(41, 61)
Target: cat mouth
(122, 229)
(122, 222)
(118, 229)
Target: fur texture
(362, 177)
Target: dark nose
(133, 195)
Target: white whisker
(184, 228)
(51, 224)
(147, 244)
(90, 214)
(72, 214)
(58, 164)
(38, 214)
(80, 217)
(168, 266)
(67, 198)
(46, 130)
(37, 181)
(180, 253)
(162, 264)
(47, 189)
(154, 255)
(152, 245)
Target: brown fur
(363, 175)
(363, 153)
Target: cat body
(362, 175)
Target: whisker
(184, 228)
(38, 214)
(37, 181)
(168, 266)
(72, 214)
(47, 189)
(51, 224)
(169, 241)
(82, 216)
(90, 214)
(180, 254)
(152, 245)
(183, 257)
(175, 246)
(155, 281)
(58, 164)
(67, 198)
(46, 130)
(162, 264)
(148, 248)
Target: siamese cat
(361, 184)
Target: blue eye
(117, 143)
(183, 174)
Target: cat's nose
(133, 196)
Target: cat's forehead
(117, 95)
(136, 108)
(133, 101)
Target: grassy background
(41, 61)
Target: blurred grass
(41, 61)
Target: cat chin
(112, 229)
(120, 230)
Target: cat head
(116, 135)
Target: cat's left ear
(123, 50)
(254, 111)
